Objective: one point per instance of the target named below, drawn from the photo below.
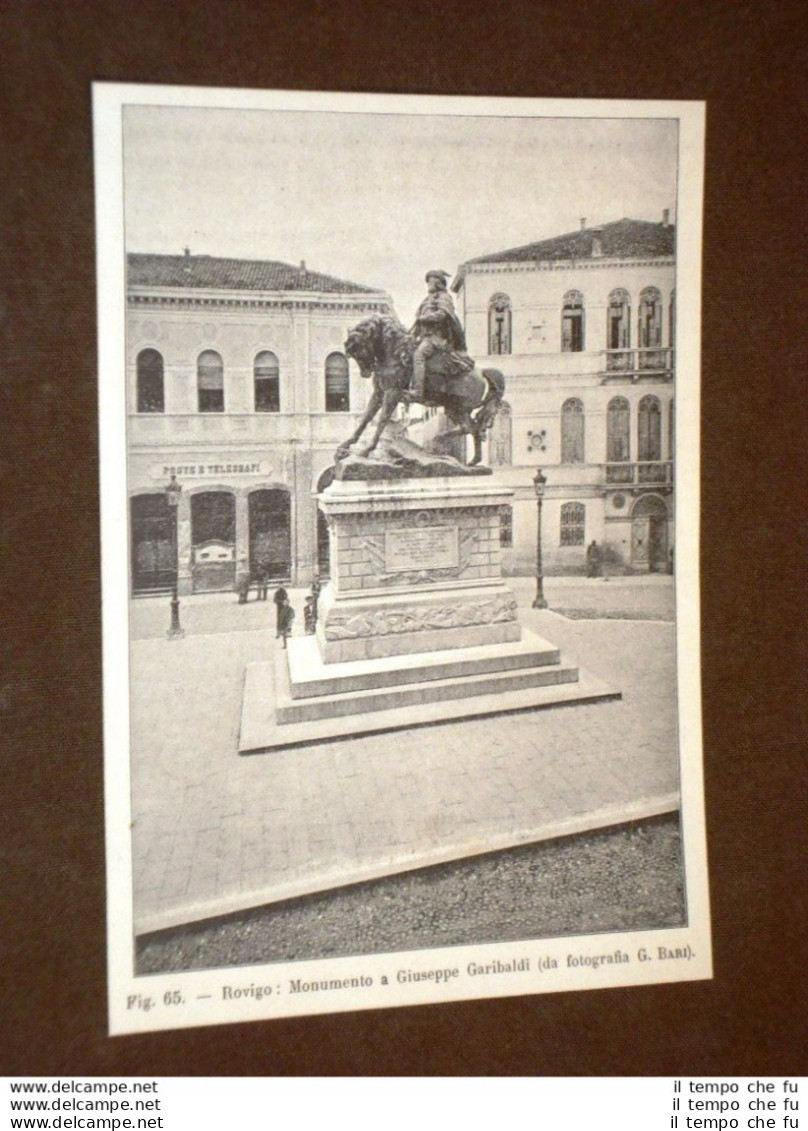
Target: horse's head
(361, 345)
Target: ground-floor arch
(154, 548)
(325, 480)
(213, 541)
(270, 531)
(649, 534)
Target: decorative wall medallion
(537, 441)
(618, 501)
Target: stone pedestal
(416, 625)
(415, 567)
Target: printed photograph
(399, 430)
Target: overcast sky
(381, 198)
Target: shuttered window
(572, 431)
(572, 323)
(210, 382)
(266, 374)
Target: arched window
(267, 382)
(650, 319)
(572, 431)
(572, 323)
(500, 443)
(499, 325)
(618, 330)
(573, 522)
(150, 396)
(650, 430)
(337, 389)
(210, 382)
(618, 431)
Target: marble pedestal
(415, 567)
(415, 626)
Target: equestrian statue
(426, 365)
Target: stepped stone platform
(304, 700)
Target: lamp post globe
(173, 493)
(539, 481)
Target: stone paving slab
(215, 832)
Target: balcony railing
(657, 472)
(657, 359)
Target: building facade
(238, 386)
(583, 328)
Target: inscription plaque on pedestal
(421, 548)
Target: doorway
(270, 516)
(213, 541)
(154, 554)
(649, 535)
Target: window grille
(573, 517)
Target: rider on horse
(437, 329)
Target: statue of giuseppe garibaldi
(437, 329)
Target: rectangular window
(572, 333)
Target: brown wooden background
(747, 61)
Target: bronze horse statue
(383, 349)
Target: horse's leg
(465, 425)
(373, 407)
(390, 399)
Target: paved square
(215, 832)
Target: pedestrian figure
(286, 617)
(262, 578)
(593, 559)
(310, 615)
(316, 587)
(280, 595)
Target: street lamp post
(173, 492)
(539, 481)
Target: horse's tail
(492, 400)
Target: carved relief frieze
(394, 622)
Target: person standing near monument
(286, 618)
(437, 329)
(279, 596)
(593, 559)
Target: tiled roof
(623, 239)
(146, 270)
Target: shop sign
(210, 469)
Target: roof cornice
(512, 266)
(196, 298)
